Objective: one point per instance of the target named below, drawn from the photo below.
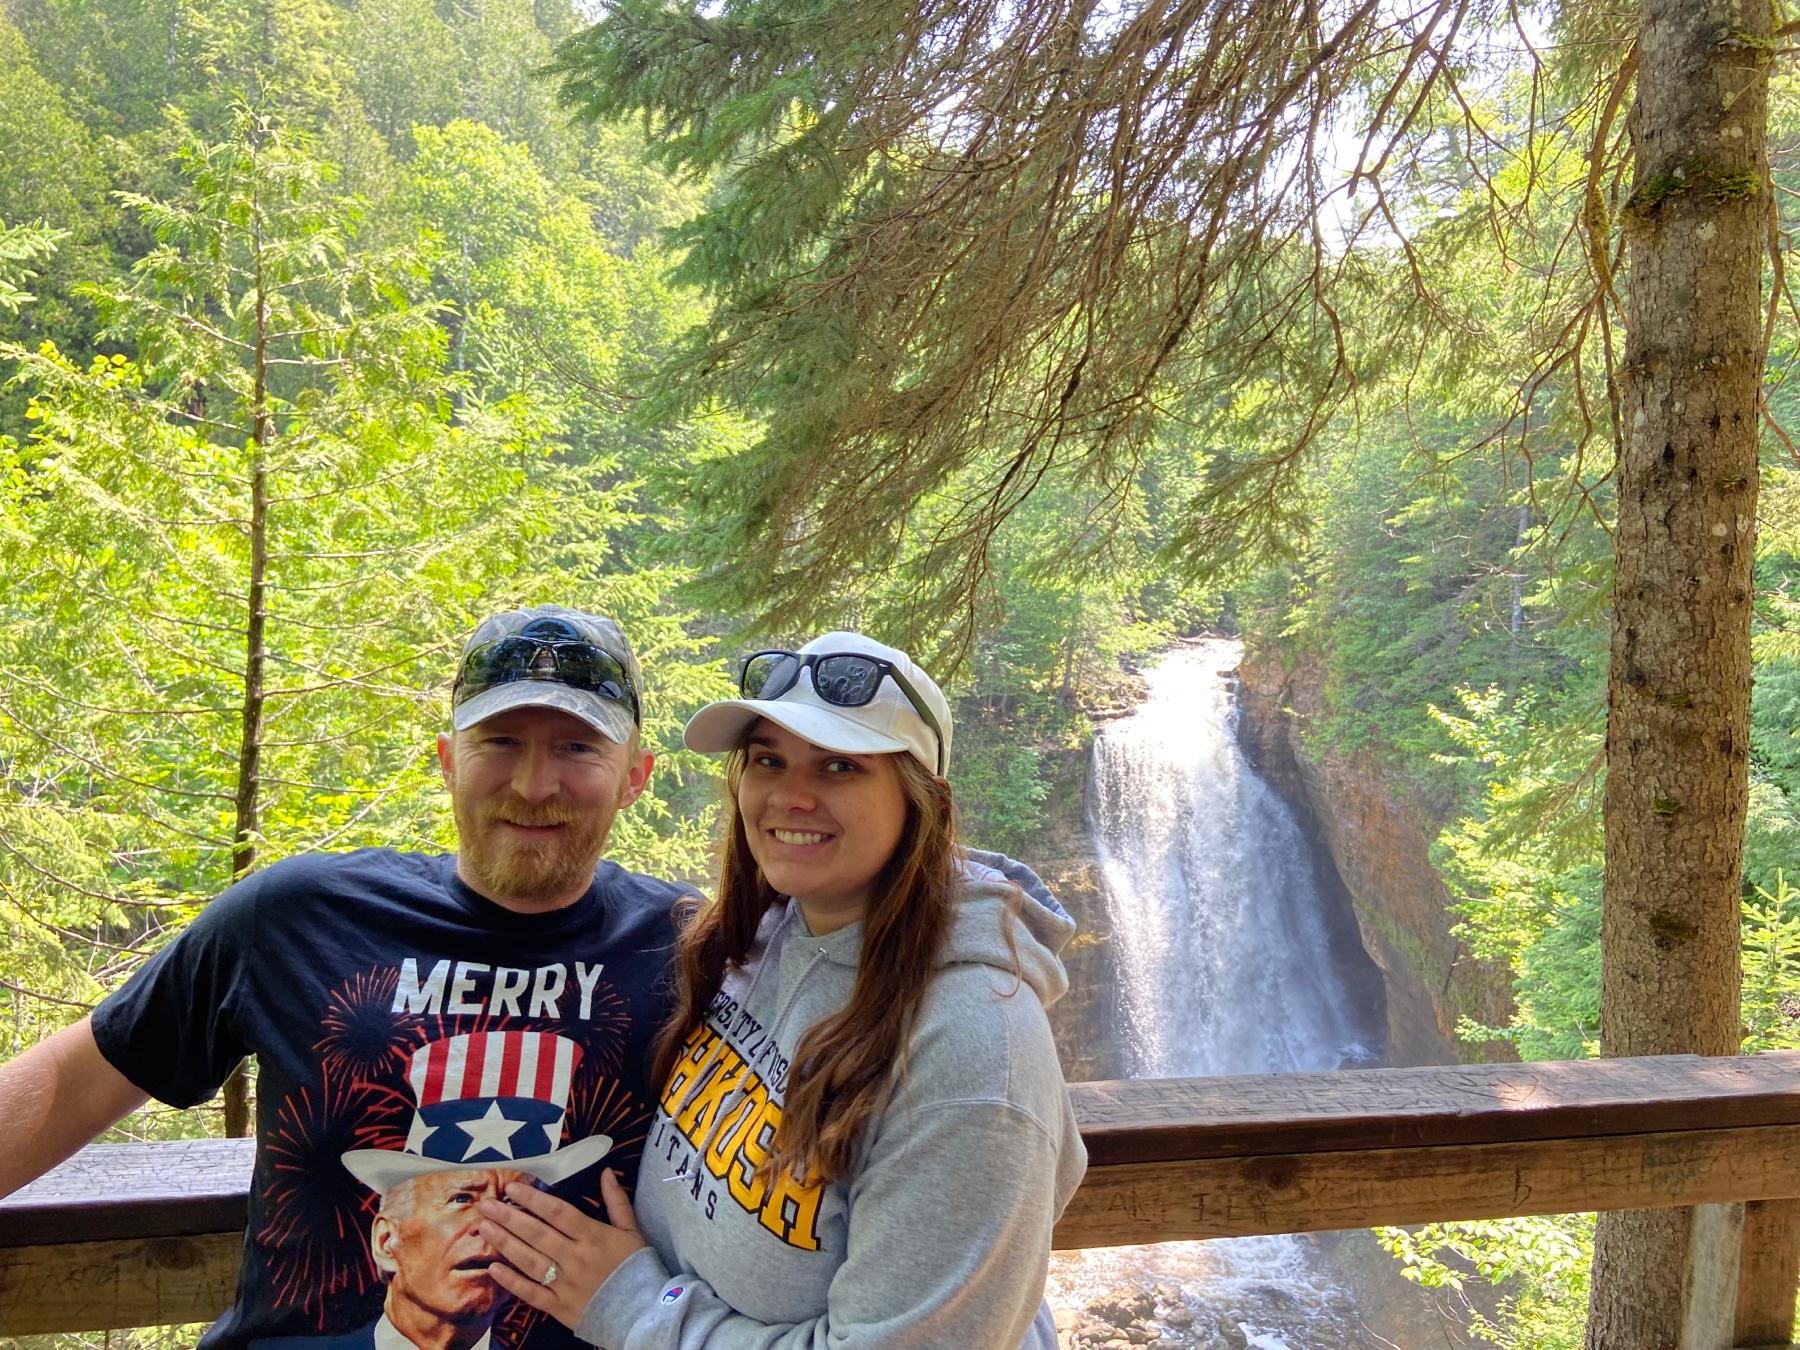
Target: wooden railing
(146, 1234)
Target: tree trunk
(1678, 690)
(248, 822)
(1517, 624)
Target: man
(426, 1027)
(439, 1294)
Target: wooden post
(1768, 1272)
(1710, 1282)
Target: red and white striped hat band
(536, 1064)
(486, 1100)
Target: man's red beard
(510, 868)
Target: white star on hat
(494, 1130)
(420, 1132)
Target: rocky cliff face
(1379, 842)
(1082, 1019)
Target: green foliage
(1522, 857)
(50, 177)
(22, 250)
(428, 436)
(1430, 572)
(926, 252)
(290, 398)
(1772, 967)
(435, 444)
(1541, 1263)
(1001, 791)
(1453, 598)
(1524, 862)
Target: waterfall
(1222, 938)
(1219, 926)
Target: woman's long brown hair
(842, 1066)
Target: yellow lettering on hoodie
(791, 1212)
(702, 1045)
(729, 1137)
(734, 1142)
(702, 1109)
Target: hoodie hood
(1005, 918)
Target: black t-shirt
(404, 1026)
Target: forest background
(324, 331)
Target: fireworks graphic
(520, 1325)
(314, 1240)
(516, 1321)
(603, 1035)
(361, 1029)
(599, 1104)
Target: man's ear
(637, 777)
(381, 1242)
(446, 748)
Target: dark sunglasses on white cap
(842, 679)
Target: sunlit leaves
(403, 502)
(22, 251)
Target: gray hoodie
(941, 1236)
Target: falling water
(1223, 944)
(1219, 927)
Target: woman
(864, 1138)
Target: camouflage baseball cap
(549, 657)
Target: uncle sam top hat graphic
(486, 1099)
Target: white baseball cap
(887, 724)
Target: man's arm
(54, 1098)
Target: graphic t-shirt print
(440, 1084)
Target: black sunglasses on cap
(574, 662)
(843, 679)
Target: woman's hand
(555, 1257)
